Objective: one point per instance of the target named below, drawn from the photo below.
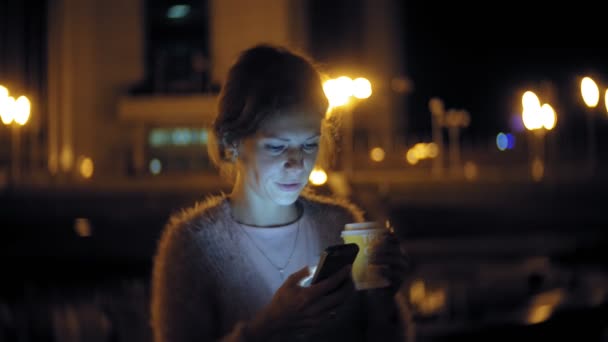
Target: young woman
(230, 268)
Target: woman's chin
(286, 199)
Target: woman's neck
(248, 208)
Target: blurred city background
(478, 130)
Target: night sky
(482, 57)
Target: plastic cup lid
(361, 232)
(362, 225)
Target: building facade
(127, 89)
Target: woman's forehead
(291, 122)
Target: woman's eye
(274, 148)
(311, 147)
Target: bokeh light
(377, 154)
(155, 166)
(7, 105)
(530, 100)
(86, 167)
(548, 116)
(432, 150)
(590, 92)
(318, 177)
(502, 142)
(411, 157)
(510, 141)
(178, 11)
(21, 110)
(362, 88)
(471, 171)
(82, 227)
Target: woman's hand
(388, 253)
(294, 307)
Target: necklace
(280, 269)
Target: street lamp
(14, 113)
(339, 93)
(591, 97)
(437, 109)
(606, 100)
(455, 120)
(537, 119)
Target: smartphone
(333, 259)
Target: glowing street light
(318, 177)
(531, 116)
(21, 110)
(14, 113)
(591, 96)
(377, 154)
(530, 100)
(590, 92)
(339, 92)
(86, 167)
(362, 88)
(11, 110)
(535, 116)
(548, 117)
(539, 119)
(7, 109)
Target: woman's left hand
(388, 253)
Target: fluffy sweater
(204, 289)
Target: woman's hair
(265, 81)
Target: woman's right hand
(294, 307)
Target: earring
(233, 154)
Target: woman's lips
(289, 186)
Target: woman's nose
(295, 159)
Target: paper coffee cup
(365, 235)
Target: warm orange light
(471, 172)
(432, 149)
(362, 88)
(531, 114)
(7, 109)
(549, 118)
(530, 100)
(21, 110)
(318, 177)
(377, 154)
(338, 91)
(606, 100)
(538, 169)
(417, 291)
(540, 314)
(590, 92)
(411, 157)
(86, 167)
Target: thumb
(295, 278)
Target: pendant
(282, 274)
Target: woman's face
(274, 164)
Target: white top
(278, 244)
(209, 279)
